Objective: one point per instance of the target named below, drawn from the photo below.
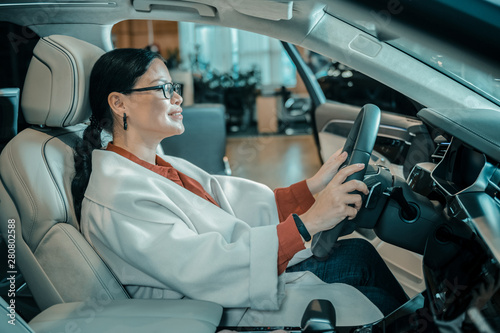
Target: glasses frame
(173, 87)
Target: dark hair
(115, 71)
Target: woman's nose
(176, 99)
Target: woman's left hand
(326, 173)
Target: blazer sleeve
(296, 198)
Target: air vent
(441, 149)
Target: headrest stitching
(71, 62)
(50, 69)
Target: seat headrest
(55, 92)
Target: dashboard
(461, 259)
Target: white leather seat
(36, 170)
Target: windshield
(481, 82)
(426, 30)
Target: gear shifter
(319, 316)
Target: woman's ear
(116, 103)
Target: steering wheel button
(372, 198)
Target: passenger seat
(115, 316)
(203, 142)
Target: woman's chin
(172, 131)
(180, 131)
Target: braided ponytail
(115, 71)
(83, 163)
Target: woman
(170, 230)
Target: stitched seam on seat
(53, 178)
(125, 292)
(48, 67)
(47, 277)
(88, 262)
(28, 194)
(61, 197)
(51, 174)
(53, 44)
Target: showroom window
(226, 50)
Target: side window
(346, 85)
(16, 49)
(253, 92)
(246, 72)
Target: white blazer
(163, 241)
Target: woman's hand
(325, 174)
(336, 202)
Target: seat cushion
(130, 316)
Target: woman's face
(148, 112)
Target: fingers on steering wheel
(355, 185)
(337, 159)
(342, 175)
(337, 153)
(354, 199)
(351, 212)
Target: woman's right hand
(334, 203)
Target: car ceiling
(245, 15)
(471, 25)
(306, 23)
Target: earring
(125, 125)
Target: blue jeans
(356, 262)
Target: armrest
(132, 315)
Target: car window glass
(343, 84)
(16, 49)
(228, 66)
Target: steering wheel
(359, 146)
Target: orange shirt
(294, 199)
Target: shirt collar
(125, 153)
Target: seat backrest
(204, 140)
(36, 170)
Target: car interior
(433, 211)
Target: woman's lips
(176, 114)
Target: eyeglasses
(167, 88)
